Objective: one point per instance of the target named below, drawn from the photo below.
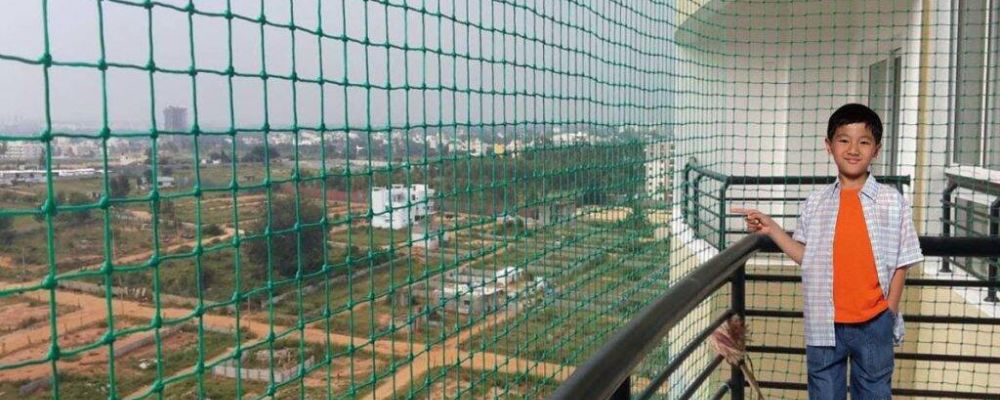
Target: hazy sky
(76, 92)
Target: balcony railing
(610, 373)
(705, 209)
(952, 225)
(728, 285)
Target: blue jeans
(869, 346)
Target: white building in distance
(659, 163)
(10, 176)
(397, 207)
(571, 138)
(21, 151)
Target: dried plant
(730, 342)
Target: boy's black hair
(854, 113)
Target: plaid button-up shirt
(894, 245)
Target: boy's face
(853, 148)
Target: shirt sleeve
(799, 235)
(909, 245)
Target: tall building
(175, 119)
(659, 160)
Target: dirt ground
(442, 354)
(89, 362)
(17, 316)
(446, 389)
(39, 351)
(341, 368)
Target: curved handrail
(606, 370)
(785, 179)
(601, 375)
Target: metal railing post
(722, 214)
(685, 200)
(991, 276)
(946, 219)
(739, 282)
(695, 198)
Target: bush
(509, 227)
(6, 230)
(212, 230)
(284, 245)
(256, 154)
(80, 216)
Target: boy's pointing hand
(757, 222)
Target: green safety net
(459, 199)
(326, 199)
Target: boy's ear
(828, 144)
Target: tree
(160, 158)
(76, 216)
(212, 230)
(59, 198)
(284, 245)
(256, 154)
(220, 156)
(73, 217)
(120, 186)
(6, 230)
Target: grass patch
(366, 236)
(214, 388)
(455, 382)
(179, 352)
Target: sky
(76, 93)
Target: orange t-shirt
(857, 295)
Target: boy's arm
(909, 254)
(793, 248)
(896, 288)
(759, 222)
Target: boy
(854, 240)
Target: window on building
(975, 130)
(883, 97)
(975, 140)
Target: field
(465, 383)
(385, 312)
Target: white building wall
(658, 161)
(733, 103)
(22, 151)
(755, 100)
(397, 207)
